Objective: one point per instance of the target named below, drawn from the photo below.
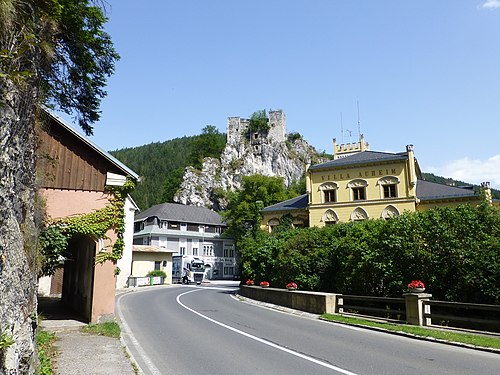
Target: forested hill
(154, 162)
(161, 165)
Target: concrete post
(415, 308)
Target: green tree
(259, 122)
(210, 143)
(172, 184)
(60, 48)
(258, 191)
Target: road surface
(205, 330)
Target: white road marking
(265, 342)
(151, 367)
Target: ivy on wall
(55, 237)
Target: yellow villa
(360, 184)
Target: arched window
(358, 189)
(388, 187)
(299, 222)
(328, 192)
(359, 214)
(389, 212)
(272, 223)
(330, 217)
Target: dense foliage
(455, 251)
(161, 165)
(58, 47)
(210, 143)
(259, 123)
(258, 191)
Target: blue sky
(424, 72)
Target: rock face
(246, 153)
(18, 235)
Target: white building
(188, 230)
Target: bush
(156, 273)
(454, 251)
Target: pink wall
(63, 203)
(66, 203)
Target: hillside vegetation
(161, 164)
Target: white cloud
(491, 4)
(469, 170)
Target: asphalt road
(200, 330)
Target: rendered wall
(145, 262)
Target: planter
(292, 288)
(417, 290)
(264, 286)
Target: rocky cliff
(245, 154)
(18, 234)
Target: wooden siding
(65, 161)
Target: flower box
(416, 286)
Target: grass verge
(110, 329)
(46, 351)
(464, 338)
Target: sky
(422, 72)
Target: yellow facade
(360, 184)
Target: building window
(330, 217)
(182, 250)
(330, 196)
(183, 227)
(157, 265)
(358, 193)
(231, 253)
(226, 252)
(163, 224)
(358, 189)
(359, 214)
(195, 251)
(390, 191)
(228, 271)
(208, 250)
(329, 190)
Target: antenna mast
(341, 128)
(359, 122)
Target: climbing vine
(54, 238)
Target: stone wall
(18, 233)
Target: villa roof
(365, 157)
(181, 213)
(427, 190)
(297, 203)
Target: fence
(413, 308)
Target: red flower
(416, 284)
(249, 282)
(291, 285)
(264, 283)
